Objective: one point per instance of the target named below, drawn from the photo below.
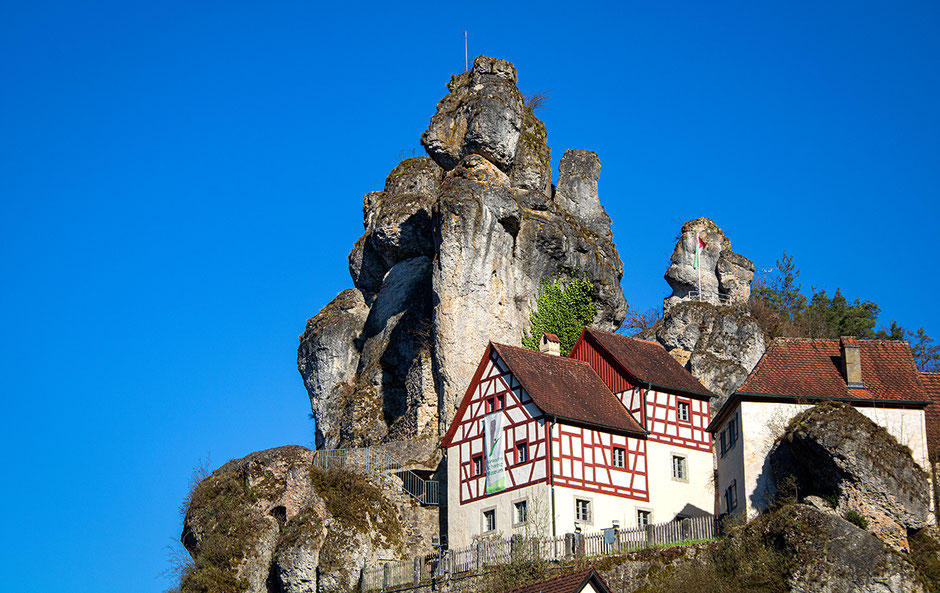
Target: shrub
(857, 519)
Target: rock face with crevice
(455, 248)
(714, 336)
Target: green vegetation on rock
(561, 310)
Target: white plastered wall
(730, 466)
(605, 509)
(670, 497)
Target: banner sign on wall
(494, 449)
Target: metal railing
(722, 298)
(494, 551)
(377, 462)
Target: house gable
(656, 389)
(494, 389)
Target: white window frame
(590, 511)
(649, 517)
(491, 511)
(516, 507)
(482, 468)
(684, 405)
(621, 458)
(684, 465)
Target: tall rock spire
(454, 251)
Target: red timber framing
(662, 413)
(524, 422)
(656, 411)
(583, 458)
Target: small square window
(679, 469)
(502, 402)
(490, 405)
(582, 510)
(478, 465)
(489, 520)
(683, 411)
(522, 452)
(620, 457)
(643, 518)
(522, 512)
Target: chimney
(851, 362)
(550, 344)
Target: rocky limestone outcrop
(724, 276)
(795, 548)
(714, 337)
(827, 554)
(454, 251)
(271, 522)
(719, 345)
(834, 452)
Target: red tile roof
(647, 361)
(813, 368)
(569, 583)
(552, 338)
(567, 389)
(932, 385)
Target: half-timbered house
(550, 443)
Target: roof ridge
(546, 354)
(615, 334)
(836, 340)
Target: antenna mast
(466, 64)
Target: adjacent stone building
(877, 377)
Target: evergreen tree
(926, 355)
(782, 292)
(561, 310)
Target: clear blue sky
(181, 183)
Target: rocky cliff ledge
(272, 521)
(454, 249)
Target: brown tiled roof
(647, 361)
(552, 338)
(813, 368)
(931, 383)
(569, 583)
(567, 389)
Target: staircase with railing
(376, 462)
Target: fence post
(386, 576)
(650, 535)
(515, 542)
(416, 571)
(479, 556)
(574, 545)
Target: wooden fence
(490, 552)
